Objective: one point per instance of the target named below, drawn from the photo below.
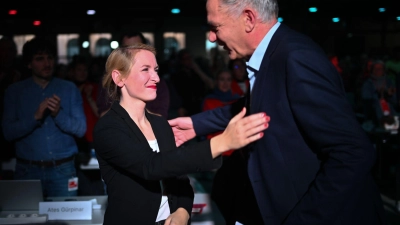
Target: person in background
(9, 73)
(313, 165)
(393, 71)
(89, 92)
(191, 83)
(43, 115)
(240, 82)
(143, 169)
(379, 96)
(221, 96)
(62, 71)
(90, 182)
(160, 105)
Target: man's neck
(42, 82)
(258, 35)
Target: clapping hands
(52, 104)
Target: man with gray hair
(313, 165)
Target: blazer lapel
(120, 111)
(259, 90)
(158, 130)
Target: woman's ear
(117, 78)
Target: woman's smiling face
(142, 80)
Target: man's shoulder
(289, 35)
(20, 84)
(287, 40)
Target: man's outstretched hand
(247, 127)
(183, 129)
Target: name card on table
(73, 210)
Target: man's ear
(117, 78)
(249, 17)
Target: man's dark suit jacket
(313, 164)
(132, 171)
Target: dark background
(72, 13)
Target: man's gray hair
(267, 9)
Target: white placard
(72, 210)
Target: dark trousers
(233, 193)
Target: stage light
(280, 19)
(12, 12)
(313, 9)
(335, 19)
(114, 44)
(85, 44)
(175, 11)
(91, 12)
(36, 23)
(382, 9)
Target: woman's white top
(163, 211)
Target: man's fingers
(172, 122)
(56, 97)
(52, 105)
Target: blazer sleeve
(327, 121)
(123, 147)
(180, 193)
(217, 119)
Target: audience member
(62, 71)
(89, 93)
(240, 81)
(167, 69)
(191, 83)
(379, 96)
(393, 71)
(90, 182)
(96, 68)
(43, 114)
(141, 166)
(9, 74)
(221, 96)
(218, 60)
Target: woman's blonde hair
(121, 59)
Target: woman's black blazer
(132, 171)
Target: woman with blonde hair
(142, 168)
